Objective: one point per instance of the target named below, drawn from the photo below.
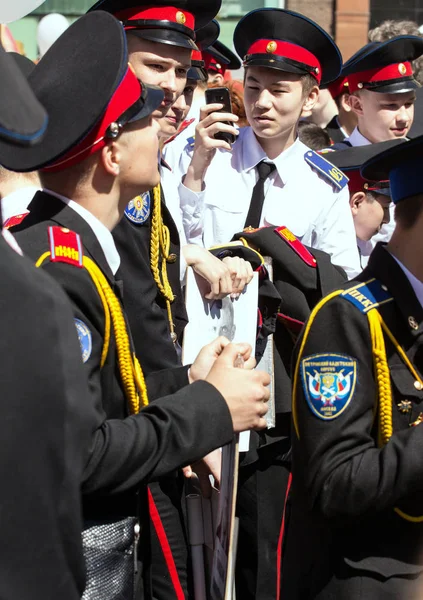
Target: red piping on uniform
(164, 544)
(280, 541)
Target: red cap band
(197, 56)
(212, 64)
(338, 87)
(128, 92)
(287, 50)
(358, 184)
(154, 13)
(397, 71)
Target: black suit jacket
(46, 420)
(178, 429)
(345, 539)
(145, 307)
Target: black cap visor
(150, 99)
(197, 73)
(225, 56)
(393, 86)
(23, 120)
(278, 62)
(173, 37)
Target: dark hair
(408, 211)
(313, 136)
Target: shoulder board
(191, 141)
(331, 173)
(367, 295)
(15, 220)
(65, 246)
(296, 245)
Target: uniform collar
(357, 139)
(416, 284)
(253, 153)
(103, 235)
(17, 202)
(391, 273)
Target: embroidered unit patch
(138, 209)
(328, 382)
(85, 339)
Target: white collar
(253, 153)
(103, 235)
(17, 202)
(357, 139)
(416, 284)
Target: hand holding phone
(221, 95)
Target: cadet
(369, 200)
(344, 123)
(46, 416)
(88, 153)
(383, 89)
(356, 524)
(286, 57)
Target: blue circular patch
(138, 209)
(85, 339)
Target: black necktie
(256, 205)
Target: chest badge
(85, 339)
(404, 406)
(328, 383)
(138, 209)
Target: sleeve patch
(328, 382)
(331, 173)
(65, 246)
(85, 339)
(296, 245)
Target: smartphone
(221, 95)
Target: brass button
(172, 258)
(174, 337)
(65, 230)
(418, 385)
(413, 323)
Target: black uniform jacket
(144, 305)
(345, 540)
(45, 427)
(126, 450)
(334, 130)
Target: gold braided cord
(401, 352)
(106, 341)
(130, 370)
(303, 342)
(134, 386)
(382, 375)
(159, 250)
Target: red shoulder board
(15, 220)
(296, 245)
(65, 246)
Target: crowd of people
(116, 176)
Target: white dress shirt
(295, 196)
(103, 235)
(356, 139)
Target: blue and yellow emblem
(138, 209)
(85, 339)
(328, 382)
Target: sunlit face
(369, 214)
(383, 117)
(166, 66)
(139, 147)
(273, 101)
(180, 109)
